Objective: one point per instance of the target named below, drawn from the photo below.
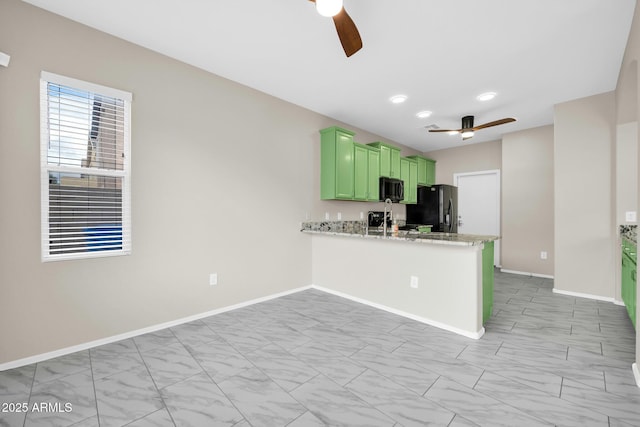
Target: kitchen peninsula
(442, 279)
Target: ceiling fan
(467, 129)
(347, 30)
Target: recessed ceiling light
(423, 114)
(487, 96)
(398, 99)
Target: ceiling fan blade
(445, 130)
(347, 32)
(494, 123)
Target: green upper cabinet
(361, 170)
(389, 159)
(426, 170)
(431, 172)
(374, 175)
(409, 174)
(336, 164)
(367, 172)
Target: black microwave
(391, 188)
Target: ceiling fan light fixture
(423, 114)
(328, 8)
(398, 99)
(467, 134)
(487, 96)
(453, 132)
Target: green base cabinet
(426, 170)
(629, 278)
(366, 173)
(409, 174)
(487, 281)
(336, 164)
(389, 159)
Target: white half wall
(449, 292)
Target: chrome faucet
(366, 224)
(389, 203)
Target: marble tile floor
(315, 359)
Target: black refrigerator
(437, 206)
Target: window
(85, 169)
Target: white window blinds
(85, 169)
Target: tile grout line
(33, 382)
(93, 384)
(154, 383)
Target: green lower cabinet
(487, 281)
(366, 173)
(629, 279)
(409, 174)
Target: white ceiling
(440, 53)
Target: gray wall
(525, 160)
(221, 181)
(527, 201)
(628, 111)
(466, 158)
(585, 234)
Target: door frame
(496, 173)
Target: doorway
(479, 205)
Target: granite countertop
(629, 232)
(357, 229)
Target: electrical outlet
(339, 216)
(4, 59)
(327, 216)
(630, 216)
(361, 215)
(213, 279)
(414, 282)
(543, 255)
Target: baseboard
(636, 373)
(91, 344)
(581, 295)
(526, 273)
(473, 335)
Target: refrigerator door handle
(449, 213)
